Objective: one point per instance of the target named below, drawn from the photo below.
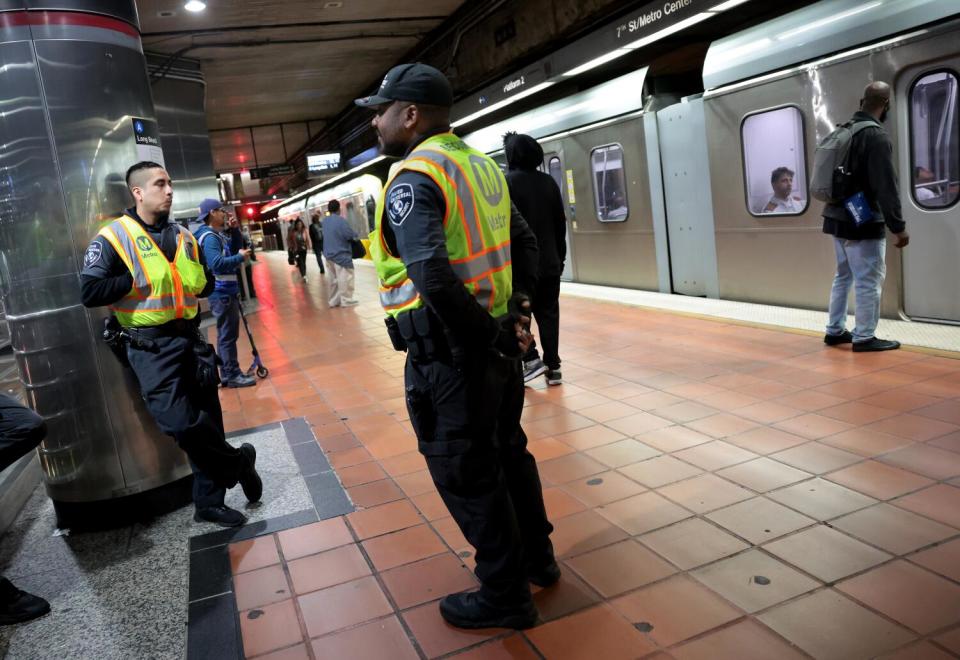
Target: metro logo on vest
(490, 178)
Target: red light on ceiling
(251, 211)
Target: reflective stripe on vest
(400, 296)
(162, 290)
(476, 225)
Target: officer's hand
(524, 338)
(903, 239)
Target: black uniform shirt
(105, 278)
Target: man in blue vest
(224, 303)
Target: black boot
(544, 576)
(18, 606)
(249, 479)
(469, 610)
(221, 515)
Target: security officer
(442, 249)
(224, 301)
(151, 272)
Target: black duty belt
(175, 328)
(423, 336)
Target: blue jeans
(860, 263)
(226, 309)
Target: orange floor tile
(718, 491)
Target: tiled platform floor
(718, 491)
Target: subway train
(676, 194)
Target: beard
(392, 149)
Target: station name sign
(272, 171)
(649, 17)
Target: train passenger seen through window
(773, 158)
(609, 184)
(935, 138)
(783, 200)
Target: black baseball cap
(415, 82)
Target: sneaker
(331, 304)
(221, 515)
(470, 610)
(835, 340)
(545, 577)
(305, 278)
(532, 369)
(875, 344)
(554, 377)
(18, 606)
(349, 303)
(242, 381)
(250, 481)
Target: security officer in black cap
(151, 272)
(444, 256)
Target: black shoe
(221, 515)
(554, 377)
(875, 344)
(545, 577)
(249, 479)
(18, 606)
(470, 610)
(835, 340)
(242, 381)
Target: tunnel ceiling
(273, 61)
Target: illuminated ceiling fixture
(496, 106)
(195, 6)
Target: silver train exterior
(661, 192)
(75, 88)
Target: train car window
(609, 183)
(556, 170)
(775, 169)
(934, 128)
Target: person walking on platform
(442, 251)
(151, 272)
(298, 242)
(861, 248)
(21, 431)
(316, 239)
(337, 237)
(224, 302)
(539, 201)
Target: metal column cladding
(72, 82)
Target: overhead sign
(146, 136)
(318, 164)
(272, 171)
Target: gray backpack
(832, 174)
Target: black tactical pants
(546, 310)
(467, 421)
(21, 430)
(188, 412)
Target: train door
(930, 190)
(554, 167)
(685, 169)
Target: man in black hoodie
(538, 199)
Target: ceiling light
(500, 104)
(594, 63)
(195, 5)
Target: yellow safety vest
(476, 225)
(162, 290)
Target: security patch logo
(144, 243)
(92, 255)
(400, 203)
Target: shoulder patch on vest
(93, 254)
(400, 203)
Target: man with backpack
(854, 173)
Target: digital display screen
(318, 164)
